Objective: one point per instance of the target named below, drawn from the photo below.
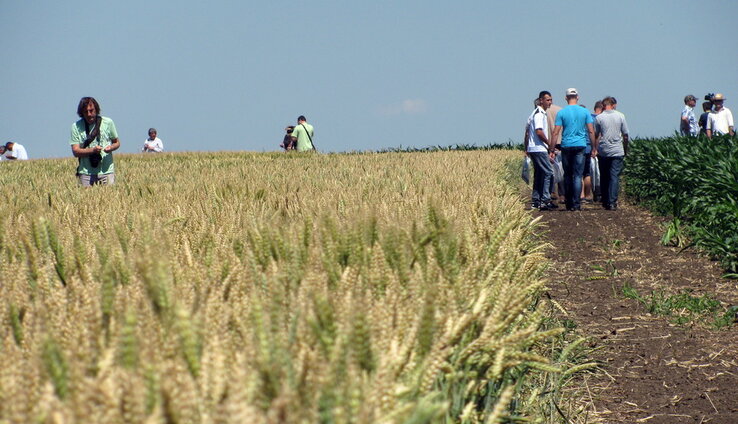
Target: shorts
(587, 166)
(91, 180)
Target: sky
(369, 75)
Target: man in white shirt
(15, 151)
(720, 120)
(688, 124)
(153, 144)
(539, 149)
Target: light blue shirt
(574, 120)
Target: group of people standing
(716, 119)
(13, 151)
(573, 135)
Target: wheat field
(274, 288)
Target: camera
(709, 96)
(95, 159)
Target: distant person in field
(287, 142)
(688, 124)
(153, 144)
(93, 140)
(557, 187)
(15, 151)
(303, 135)
(611, 146)
(2, 152)
(720, 121)
(706, 109)
(574, 123)
(539, 149)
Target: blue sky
(230, 75)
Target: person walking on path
(153, 144)
(611, 146)
(537, 148)
(575, 124)
(93, 140)
(15, 151)
(720, 121)
(303, 135)
(688, 124)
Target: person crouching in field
(93, 140)
(287, 142)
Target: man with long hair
(93, 140)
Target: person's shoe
(535, 205)
(575, 208)
(549, 206)
(613, 206)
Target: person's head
(88, 109)
(717, 101)
(301, 119)
(614, 102)
(690, 100)
(9, 145)
(598, 107)
(289, 129)
(609, 103)
(152, 133)
(545, 99)
(706, 106)
(572, 96)
(2, 149)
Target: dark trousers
(573, 160)
(610, 170)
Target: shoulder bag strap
(308, 134)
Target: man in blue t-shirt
(578, 131)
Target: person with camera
(93, 140)
(720, 121)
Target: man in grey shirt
(611, 146)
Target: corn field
(275, 288)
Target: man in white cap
(576, 124)
(720, 121)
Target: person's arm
(79, 152)
(525, 140)
(112, 146)
(626, 141)
(556, 134)
(592, 139)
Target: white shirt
(154, 145)
(18, 152)
(720, 122)
(537, 121)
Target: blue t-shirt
(574, 119)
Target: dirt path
(655, 371)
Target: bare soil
(653, 371)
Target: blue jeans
(610, 170)
(542, 178)
(573, 161)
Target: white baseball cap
(572, 92)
